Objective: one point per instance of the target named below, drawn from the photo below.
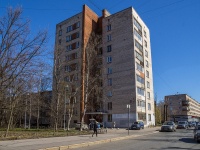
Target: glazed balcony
(185, 103)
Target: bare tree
(90, 76)
(18, 51)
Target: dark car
(168, 126)
(137, 125)
(197, 133)
(182, 125)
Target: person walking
(95, 128)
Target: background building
(182, 107)
(125, 65)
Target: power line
(94, 5)
(162, 7)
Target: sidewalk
(69, 142)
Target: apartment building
(182, 107)
(126, 65)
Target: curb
(94, 143)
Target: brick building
(126, 65)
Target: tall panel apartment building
(126, 64)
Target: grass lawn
(18, 133)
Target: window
(100, 51)
(109, 93)
(109, 48)
(137, 35)
(139, 46)
(109, 105)
(140, 91)
(145, 34)
(148, 95)
(109, 82)
(140, 79)
(109, 118)
(146, 53)
(67, 78)
(78, 24)
(141, 103)
(59, 41)
(149, 106)
(60, 32)
(109, 71)
(109, 59)
(147, 63)
(138, 56)
(136, 23)
(145, 43)
(77, 35)
(149, 117)
(69, 47)
(139, 67)
(68, 38)
(109, 37)
(69, 28)
(147, 74)
(148, 84)
(67, 68)
(109, 27)
(77, 44)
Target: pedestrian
(95, 128)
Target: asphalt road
(180, 140)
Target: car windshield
(168, 123)
(181, 122)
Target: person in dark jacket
(95, 128)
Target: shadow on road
(187, 140)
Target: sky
(174, 32)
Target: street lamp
(128, 106)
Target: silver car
(168, 126)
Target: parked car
(168, 126)
(197, 133)
(137, 125)
(190, 124)
(84, 126)
(182, 125)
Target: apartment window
(138, 35)
(140, 79)
(67, 68)
(136, 23)
(149, 106)
(78, 24)
(139, 67)
(109, 118)
(109, 82)
(109, 27)
(109, 71)
(67, 78)
(145, 43)
(69, 47)
(109, 93)
(60, 32)
(109, 37)
(109, 59)
(59, 41)
(147, 63)
(75, 77)
(109, 105)
(139, 46)
(147, 74)
(139, 57)
(149, 117)
(109, 48)
(140, 91)
(146, 53)
(77, 44)
(148, 84)
(141, 103)
(148, 95)
(69, 28)
(145, 34)
(68, 38)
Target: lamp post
(128, 106)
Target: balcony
(186, 109)
(185, 103)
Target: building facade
(182, 107)
(126, 65)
